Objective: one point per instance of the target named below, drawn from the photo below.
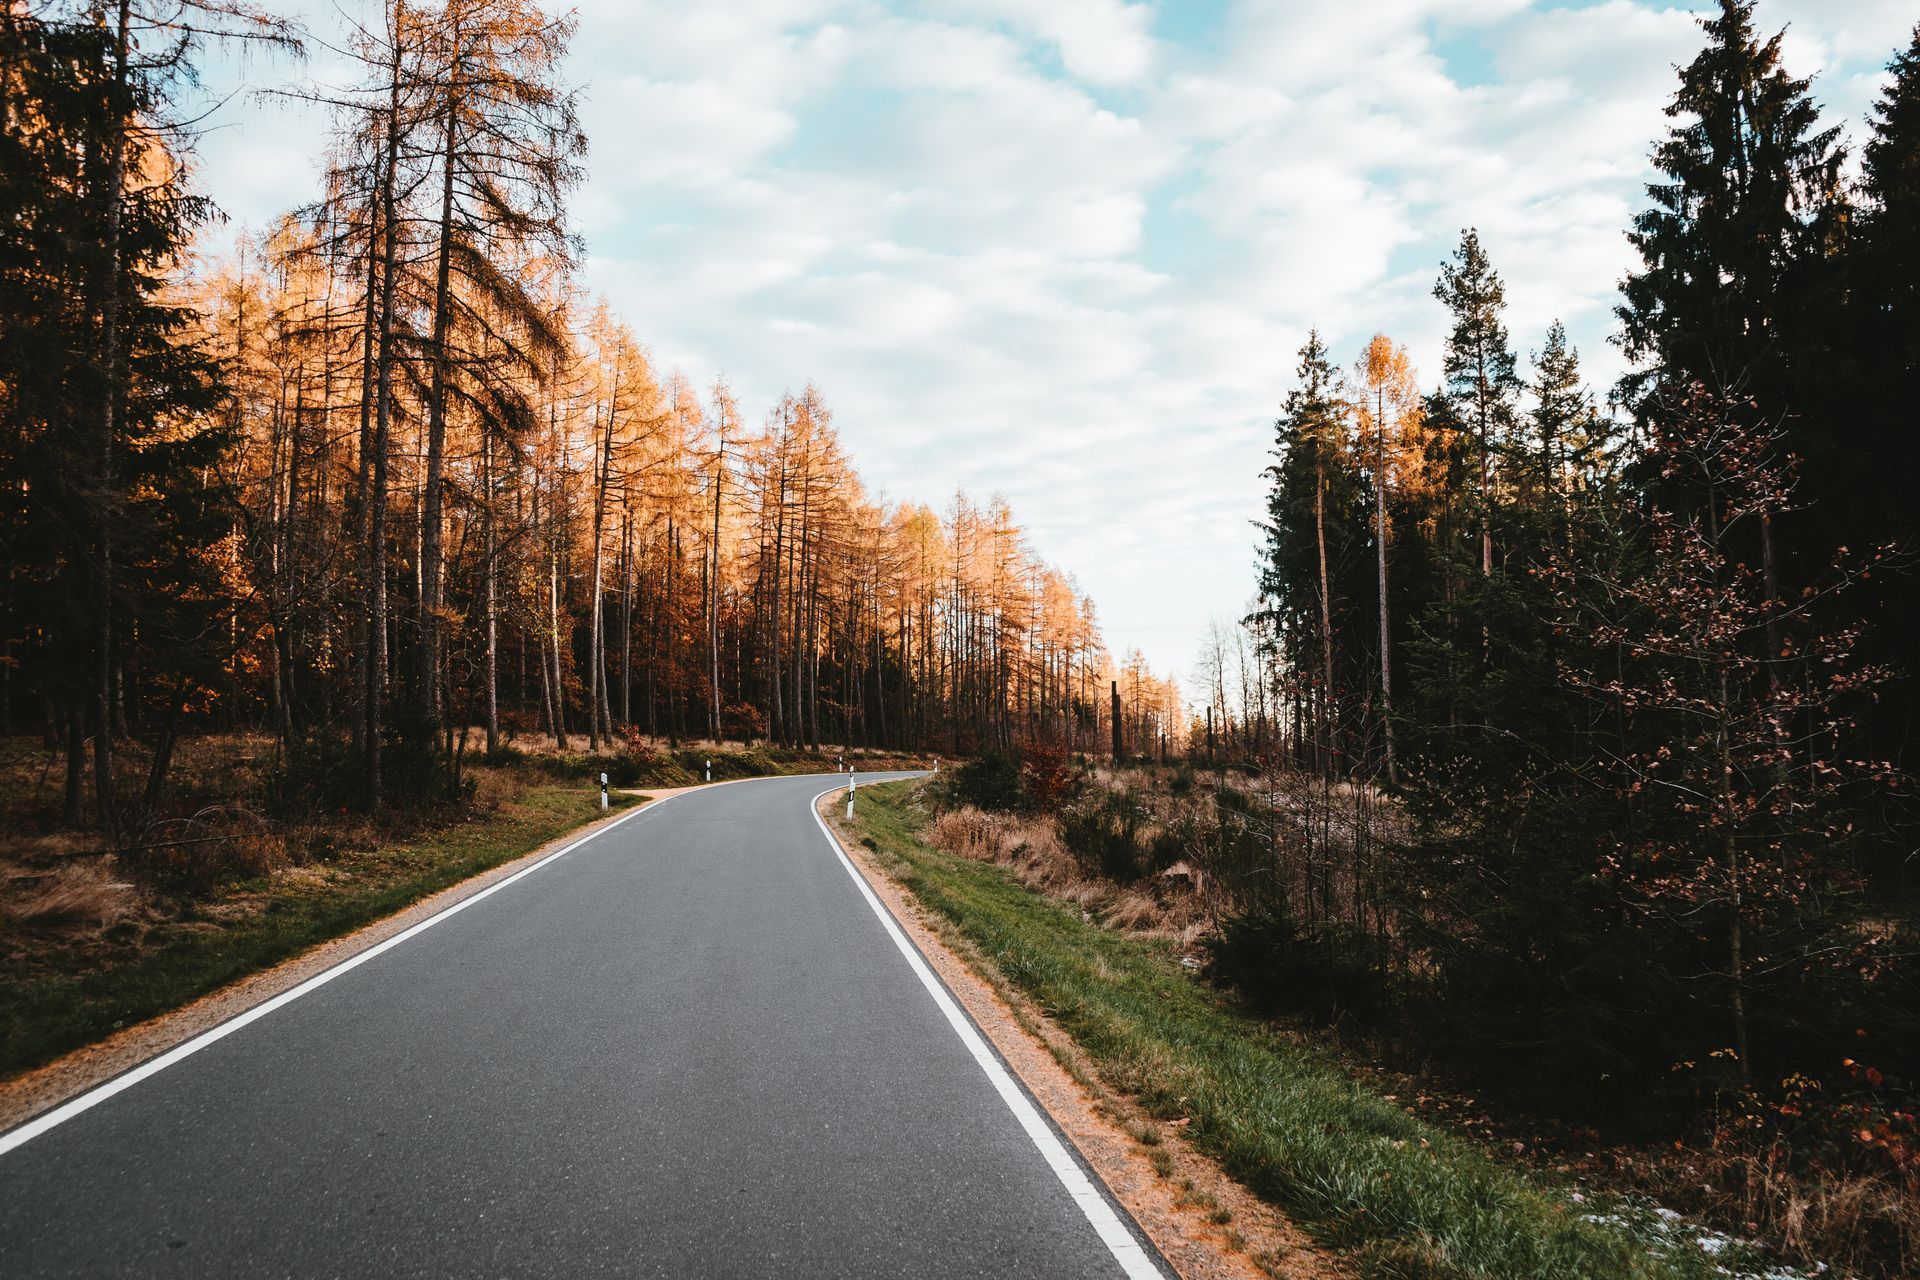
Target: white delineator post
(603, 791)
(852, 782)
(709, 771)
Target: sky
(1067, 250)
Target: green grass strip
(1360, 1173)
(44, 1018)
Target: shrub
(321, 773)
(743, 721)
(413, 777)
(516, 723)
(1047, 778)
(991, 780)
(1106, 834)
(623, 769)
(1278, 968)
(194, 855)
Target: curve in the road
(688, 1051)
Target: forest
(1598, 704)
(1564, 752)
(384, 478)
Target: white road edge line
(153, 1066)
(1126, 1251)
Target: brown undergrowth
(1817, 1176)
(1030, 846)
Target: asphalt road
(690, 1047)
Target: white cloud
(1103, 42)
(1031, 246)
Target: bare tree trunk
(672, 662)
(73, 805)
(491, 602)
(1771, 584)
(776, 721)
(374, 567)
(715, 729)
(433, 493)
(553, 635)
(1380, 548)
(1736, 906)
(109, 420)
(1326, 617)
(370, 321)
(286, 646)
(626, 617)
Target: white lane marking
(1126, 1251)
(94, 1097)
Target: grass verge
(1404, 1198)
(279, 917)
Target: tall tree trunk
(776, 720)
(1380, 548)
(626, 617)
(715, 728)
(374, 566)
(1486, 473)
(553, 635)
(1736, 905)
(108, 417)
(671, 600)
(432, 498)
(73, 801)
(598, 730)
(1328, 750)
(369, 321)
(490, 600)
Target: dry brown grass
(493, 787)
(1856, 1218)
(1031, 849)
(1862, 1222)
(83, 895)
(1030, 846)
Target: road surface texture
(689, 1047)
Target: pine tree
(1751, 189)
(108, 398)
(1569, 443)
(1891, 252)
(1859, 499)
(1315, 534)
(1479, 368)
